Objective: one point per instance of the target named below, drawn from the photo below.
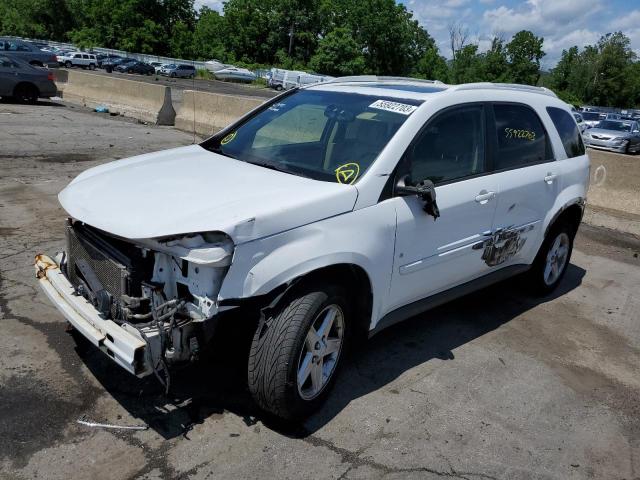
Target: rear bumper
(124, 345)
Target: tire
(550, 264)
(172, 75)
(284, 348)
(26, 93)
(129, 71)
(68, 64)
(278, 88)
(92, 66)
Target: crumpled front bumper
(123, 344)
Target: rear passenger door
(528, 176)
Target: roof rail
(503, 86)
(376, 78)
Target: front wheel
(67, 64)
(295, 355)
(553, 259)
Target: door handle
(550, 177)
(484, 196)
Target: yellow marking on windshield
(228, 138)
(347, 173)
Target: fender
(262, 266)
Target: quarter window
(568, 131)
(521, 137)
(451, 146)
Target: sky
(562, 23)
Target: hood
(189, 189)
(601, 132)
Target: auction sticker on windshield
(396, 107)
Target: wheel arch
(351, 276)
(570, 212)
(24, 84)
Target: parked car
(112, 63)
(281, 79)
(24, 82)
(26, 51)
(613, 116)
(79, 59)
(235, 74)
(580, 121)
(591, 119)
(334, 211)
(136, 67)
(156, 66)
(620, 136)
(180, 71)
(105, 57)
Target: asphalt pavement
(498, 385)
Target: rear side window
(521, 137)
(568, 131)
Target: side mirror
(424, 189)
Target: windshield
(329, 136)
(590, 115)
(618, 126)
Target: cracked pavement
(496, 385)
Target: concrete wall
(210, 112)
(144, 101)
(614, 191)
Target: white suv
(328, 213)
(78, 59)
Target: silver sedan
(622, 136)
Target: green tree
(209, 36)
(338, 54)
(495, 66)
(524, 52)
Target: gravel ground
(496, 385)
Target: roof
(418, 88)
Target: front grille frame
(119, 273)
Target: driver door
(434, 255)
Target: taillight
(54, 58)
(51, 76)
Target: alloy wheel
(556, 260)
(320, 352)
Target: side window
(568, 131)
(77, 55)
(522, 139)
(85, 56)
(451, 147)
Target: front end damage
(148, 304)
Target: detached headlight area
(191, 268)
(146, 303)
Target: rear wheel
(26, 93)
(92, 66)
(295, 355)
(553, 259)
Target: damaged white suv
(330, 212)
